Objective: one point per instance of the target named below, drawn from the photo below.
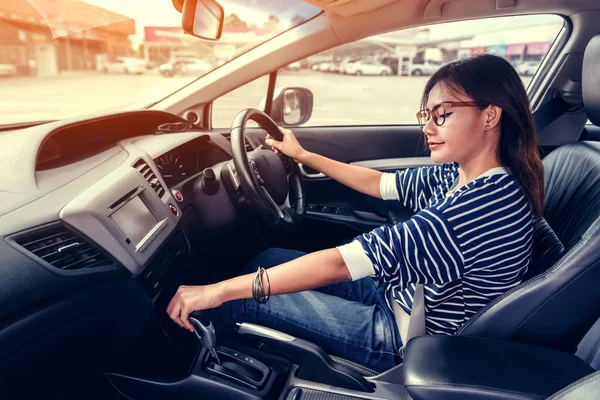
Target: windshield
(65, 58)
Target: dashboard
(93, 237)
(105, 183)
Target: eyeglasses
(440, 112)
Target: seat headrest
(591, 80)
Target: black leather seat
(583, 389)
(557, 306)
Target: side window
(250, 95)
(379, 80)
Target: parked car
(326, 67)
(190, 66)
(126, 65)
(428, 67)
(528, 68)
(295, 66)
(344, 64)
(7, 70)
(368, 68)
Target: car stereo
(136, 221)
(124, 214)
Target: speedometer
(171, 168)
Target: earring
(487, 127)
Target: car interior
(100, 226)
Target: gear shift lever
(205, 332)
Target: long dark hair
(489, 79)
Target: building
(527, 43)
(61, 35)
(165, 43)
(419, 51)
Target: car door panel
(384, 165)
(358, 143)
(393, 164)
(336, 213)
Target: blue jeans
(349, 319)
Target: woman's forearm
(311, 271)
(364, 180)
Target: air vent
(64, 249)
(249, 146)
(144, 169)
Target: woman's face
(462, 135)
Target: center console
(167, 262)
(274, 365)
(129, 213)
(260, 363)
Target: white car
(125, 65)
(367, 68)
(295, 66)
(325, 67)
(7, 70)
(195, 67)
(429, 67)
(528, 68)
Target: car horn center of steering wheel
(269, 181)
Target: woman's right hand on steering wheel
(288, 146)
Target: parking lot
(338, 99)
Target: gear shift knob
(205, 332)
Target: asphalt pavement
(338, 99)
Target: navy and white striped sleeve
(423, 249)
(412, 186)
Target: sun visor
(348, 8)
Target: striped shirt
(467, 247)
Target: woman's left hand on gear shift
(188, 299)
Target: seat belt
(549, 112)
(413, 324)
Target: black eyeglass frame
(424, 115)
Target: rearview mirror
(203, 19)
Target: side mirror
(203, 19)
(292, 106)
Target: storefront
(45, 45)
(497, 49)
(515, 52)
(163, 44)
(20, 43)
(536, 51)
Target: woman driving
(469, 241)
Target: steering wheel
(271, 182)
